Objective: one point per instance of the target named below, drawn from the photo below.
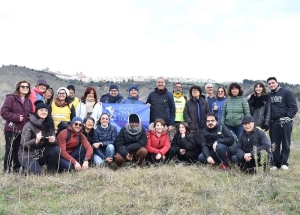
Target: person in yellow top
(180, 100)
(72, 99)
(61, 109)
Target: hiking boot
(224, 167)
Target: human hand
(51, 139)
(77, 166)
(182, 151)
(210, 160)
(129, 157)
(109, 160)
(97, 145)
(21, 118)
(158, 156)
(38, 137)
(182, 135)
(247, 157)
(216, 107)
(85, 165)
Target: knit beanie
(113, 86)
(43, 82)
(40, 104)
(65, 89)
(134, 118)
(133, 87)
(76, 118)
(71, 87)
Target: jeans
(221, 155)
(78, 154)
(12, 144)
(109, 152)
(238, 129)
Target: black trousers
(12, 144)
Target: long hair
(261, 84)
(187, 127)
(18, 85)
(87, 91)
(225, 92)
(99, 123)
(235, 85)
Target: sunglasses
(78, 124)
(24, 87)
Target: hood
(151, 127)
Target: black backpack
(64, 125)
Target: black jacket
(188, 142)
(260, 109)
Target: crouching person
(215, 143)
(38, 146)
(251, 137)
(75, 148)
(131, 142)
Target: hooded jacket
(35, 95)
(260, 110)
(157, 144)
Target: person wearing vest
(180, 101)
(61, 109)
(37, 92)
(72, 99)
(113, 96)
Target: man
(283, 109)
(76, 150)
(133, 97)
(37, 93)
(131, 142)
(210, 97)
(113, 96)
(215, 143)
(250, 138)
(180, 100)
(72, 99)
(162, 104)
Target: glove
(266, 127)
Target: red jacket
(157, 144)
(68, 147)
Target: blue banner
(119, 113)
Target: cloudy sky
(223, 40)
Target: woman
(16, 110)
(104, 141)
(39, 146)
(184, 144)
(88, 105)
(37, 92)
(61, 109)
(48, 95)
(133, 97)
(158, 142)
(234, 109)
(88, 129)
(217, 106)
(195, 110)
(260, 108)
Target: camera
(10, 124)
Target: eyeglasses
(220, 91)
(61, 93)
(24, 87)
(209, 87)
(78, 124)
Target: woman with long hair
(38, 146)
(89, 105)
(235, 108)
(48, 95)
(61, 109)
(217, 106)
(16, 110)
(260, 107)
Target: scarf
(177, 95)
(58, 103)
(133, 131)
(89, 106)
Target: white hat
(63, 88)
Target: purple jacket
(11, 111)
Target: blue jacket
(220, 103)
(106, 136)
(130, 100)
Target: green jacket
(234, 110)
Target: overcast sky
(223, 40)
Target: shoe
(284, 167)
(224, 167)
(274, 168)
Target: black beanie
(40, 104)
(113, 86)
(134, 118)
(71, 87)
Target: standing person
(16, 110)
(133, 97)
(162, 104)
(210, 96)
(113, 96)
(217, 106)
(215, 143)
(104, 141)
(131, 142)
(158, 143)
(283, 109)
(194, 112)
(48, 95)
(61, 109)
(88, 105)
(75, 152)
(180, 101)
(38, 146)
(235, 108)
(37, 92)
(251, 137)
(260, 107)
(72, 99)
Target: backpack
(232, 148)
(64, 125)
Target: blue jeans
(78, 154)
(109, 152)
(238, 129)
(221, 155)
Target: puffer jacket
(105, 135)
(188, 142)
(260, 110)
(234, 110)
(157, 144)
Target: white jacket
(82, 113)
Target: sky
(224, 40)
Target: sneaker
(284, 167)
(274, 168)
(224, 167)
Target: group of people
(206, 128)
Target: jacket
(28, 148)
(35, 95)
(68, 147)
(188, 142)
(234, 110)
(220, 103)
(89, 136)
(127, 142)
(130, 100)
(82, 113)
(260, 109)
(105, 135)
(283, 104)
(256, 138)
(211, 135)
(106, 98)
(157, 144)
(162, 106)
(11, 111)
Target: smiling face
(48, 94)
(159, 128)
(62, 95)
(209, 89)
(133, 93)
(91, 96)
(77, 126)
(89, 124)
(211, 121)
(104, 120)
(24, 89)
(248, 127)
(71, 92)
(178, 88)
(235, 91)
(42, 113)
(258, 90)
(272, 84)
(160, 83)
(42, 88)
(182, 129)
(195, 93)
(113, 92)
